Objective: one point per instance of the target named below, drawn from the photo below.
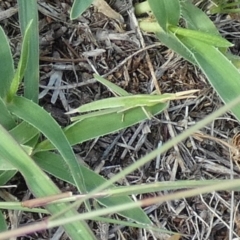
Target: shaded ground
(73, 50)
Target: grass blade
(28, 11)
(91, 128)
(6, 65)
(221, 73)
(3, 224)
(41, 120)
(111, 86)
(166, 12)
(22, 64)
(197, 19)
(6, 119)
(39, 183)
(23, 132)
(57, 168)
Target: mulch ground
(73, 51)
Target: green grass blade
(23, 132)
(133, 225)
(197, 19)
(22, 64)
(6, 166)
(111, 86)
(177, 46)
(18, 206)
(166, 12)
(208, 38)
(57, 167)
(79, 6)
(91, 128)
(28, 11)
(141, 8)
(167, 38)
(168, 145)
(221, 73)
(159, 186)
(5, 176)
(6, 65)
(41, 120)
(39, 183)
(6, 119)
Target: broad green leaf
(41, 120)
(39, 183)
(54, 165)
(28, 12)
(6, 65)
(166, 12)
(79, 6)
(6, 119)
(18, 76)
(221, 73)
(91, 128)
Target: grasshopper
(125, 103)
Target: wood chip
(7, 13)
(105, 9)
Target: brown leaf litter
(114, 47)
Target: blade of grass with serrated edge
(39, 183)
(57, 166)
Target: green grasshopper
(125, 103)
